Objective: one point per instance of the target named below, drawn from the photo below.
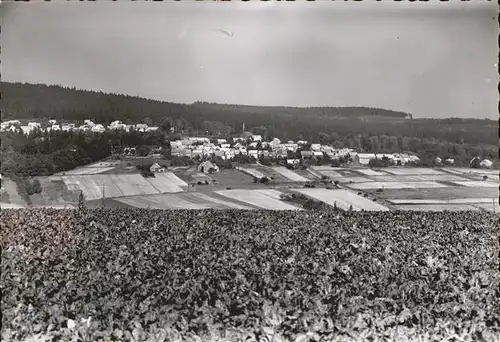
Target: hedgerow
(233, 275)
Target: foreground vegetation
(242, 275)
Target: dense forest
(365, 129)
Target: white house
(98, 128)
(450, 161)
(208, 167)
(293, 161)
(89, 123)
(55, 128)
(315, 147)
(438, 161)
(52, 122)
(221, 141)
(34, 124)
(152, 129)
(156, 168)
(486, 163)
(256, 137)
(27, 129)
(302, 142)
(364, 158)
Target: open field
(420, 178)
(167, 182)
(478, 184)
(264, 199)
(251, 171)
(289, 174)
(446, 201)
(370, 172)
(412, 171)
(87, 171)
(232, 177)
(343, 198)
(438, 193)
(396, 185)
(465, 170)
(437, 207)
(333, 174)
(11, 188)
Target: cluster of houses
(254, 146)
(88, 125)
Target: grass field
(446, 201)
(413, 171)
(232, 177)
(251, 171)
(87, 171)
(419, 178)
(343, 198)
(11, 188)
(437, 207)
(396, 185)
(167, 182)
(439, 193)
(478, 184)
(264, 199)
(370, 172)
(290, 175)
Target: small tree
(350, 207)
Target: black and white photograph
(247, 171)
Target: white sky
(432, 60)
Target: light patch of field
(489, 207)
(353, 179)
(87, 171)
(210, 199)
(11, 187)
(437, 207)
(445, 201)
(332, 174)
(465, 170)
(326, 168)
(265, 199)
(131, 185)
(252, 172)
(419, 178)
(452, 192)
(167, 182)
(396, 185)
(478, 184)
(11, 206)
(166, 201)
(289, 174)
(413, 171)
(92, 186)
(343, 199)
(370, 172)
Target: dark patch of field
(436, 193)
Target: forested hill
(36, 101)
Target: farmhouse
(208, 167)
(486, 163)
(98, 128)
(256, 138)
(27, 129)
(306, 154)
(450, 161)
(156, 168)
(52, 122)
(364, 158)
(315, 147)
(293, 161)
(438, 161)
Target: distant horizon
(432, 60)
(239, 104)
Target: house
(293, 161)
(52, 122)
(302, 142)
(89, 123)
(207, 167)
(474, 162)
(254, 145)
(27, 129)
(141, 127)
(438, 161)
(152, 129)
(225, 145)
(486, 163)
(256, 137)
(221, 141)
(34, 124)
(318, 154)
(198, 140)
(98, 128)
(55, 128)
(66, 128)
(253, 153)
(156, 168)
(306, 154)
(364, 158)
(315, 147)
(449, 161)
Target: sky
(429, 59)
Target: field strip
(331, 174)
(251, 172)
(263, 200)
(326, 168)
(212, 199)
(437, 207)
(165, 201)
(289, 174)
(413, 171)
(89, 190)
(87, 171)
(370, 172)
(353, 179)
(465, 170)
(133, 184)
(489, 207)
(479, 184)
(164, 184)
(11, 187)
(445, 201)
(396, 185)
(174, 179)
(10, 206)
(343, 198)
(418, 178)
